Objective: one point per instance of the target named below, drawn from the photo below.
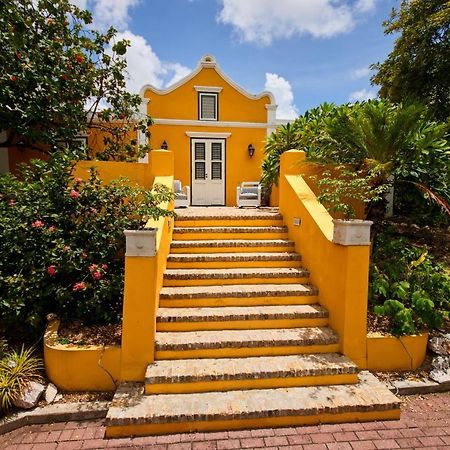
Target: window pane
(208, 106)
(216, 151)
(200, 171)
(216, 170)
(199, 150)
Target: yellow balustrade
(143, 282)
(339, 272)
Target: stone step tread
(195, 370)
(232, 313)
(193, 340)
(227, 214)
(241, 272)
(237, 290)
(233, 243)
(230, 229)
(214, 257)
(131, 407)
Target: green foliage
(407, 287)
(62, 243)
(338, 190)
(57, 73)
(419, 64)
(17, 370)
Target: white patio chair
(182, 195)
(249, 194)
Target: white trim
(203, 134)
(205, 123)
(207, 61)
(216, 100)
(208, 89)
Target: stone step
(237, 295)
(133, 413)
(203, 375)
(260, 275)
(238, 317)
(244, 343)
(227, 217)
(221, 260)
(218, 232)
(231, 245)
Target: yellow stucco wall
(181, 103)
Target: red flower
(37, 224)
(74, 194)
(51, 270)
(79, 58)
(13, 78)
(93, 268)
(19, 55)
(84, 255)
(80, 286)
(105, 266)
(11, 202)
(97, 275)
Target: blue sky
(305, 51)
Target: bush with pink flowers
(62, 243)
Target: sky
(305, 52)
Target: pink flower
(93, 268)
(66, 248)
(11, 202)
(74, 194)
(80, 286)
(37, 224)
(51, 270)
(51, 229)
(105, 266)
(97, 275)
(84, 255)
(78, 180)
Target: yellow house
(215, 129)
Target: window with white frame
(208, 106)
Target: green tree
(57, 73)
(419, 65)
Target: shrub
(407, 286)
(62, 243)
(17, 371)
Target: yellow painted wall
(233, 106)
(339, 272)
(390, 353)
(80, 368)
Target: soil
(79, 334)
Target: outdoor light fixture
(251, 150)
(164, 145)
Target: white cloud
(262, 21)
(145, 67)
(82, 4)
(113, 13)
(282, 90)
(365, 6)
(362, 72)
(363, 94)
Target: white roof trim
(208, 61)
(215, 89)
(204, 134)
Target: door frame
(210, 138)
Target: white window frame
(200, 112)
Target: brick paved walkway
(425, 423)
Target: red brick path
(425, 423)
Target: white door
(208, 171)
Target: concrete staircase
(242, 340)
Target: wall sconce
(251, 150)
(164, 146)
